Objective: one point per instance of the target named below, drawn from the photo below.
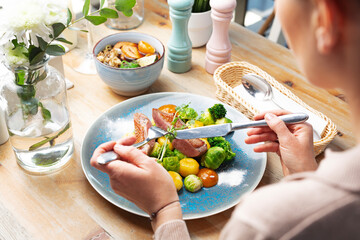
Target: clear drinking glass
(37, 117)
(127, 23)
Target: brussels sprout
(223, 120)
(206, 118)
(213, 158)
(171, 164)
(186, 113)
(156, 150)
(179, 154)
(193, 183)
(221, 142)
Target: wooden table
(64, 205)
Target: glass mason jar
(127, 23)
(37, 117)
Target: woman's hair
(350, 8)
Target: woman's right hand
(293, 143)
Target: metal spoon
(259, 88)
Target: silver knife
(224, 129)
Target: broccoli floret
(186, 113)
(217, 111)
(221, 142)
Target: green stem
(83, 17)
(43, 142)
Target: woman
(314, 202)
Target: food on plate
(142, 124)
(163, 139)
(168, 108)
(177, 180)
(213, 158)
(171, 164)
(213, 114)
(193, 183)
(128, 55)
(193, 159)
(146, 48)
(223, 120)
(208, 177)
(188, 166)
(221, 142)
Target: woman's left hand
(137, 177)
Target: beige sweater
(314, 205)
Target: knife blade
(224, 129)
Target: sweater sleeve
(236, 229)
(172, 230)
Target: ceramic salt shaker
(179, 45)
(218, 49)
(4, 134)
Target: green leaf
(55, 50)
(69, 17)
(45, 112)
(63, 40)
(108, 13)
(36, 55)
(128, 13)
(58, 29)
(86, 7)
(96, 20)
(85, 31)
(124, 5)
(102, 2)
(42, 43)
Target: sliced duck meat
(189, 147)
(163, 120)
(142, 124)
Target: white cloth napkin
(284, 102)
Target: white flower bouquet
(37, 115)
(29, 28)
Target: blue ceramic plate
(236, 178)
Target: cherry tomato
(208, 176)
(146, 48)
(168, 108)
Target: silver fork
(153, 133)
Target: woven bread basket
(229, 75)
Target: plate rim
(143, 213)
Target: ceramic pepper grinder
(179, 45)
(218, 49)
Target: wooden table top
(63, 205)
